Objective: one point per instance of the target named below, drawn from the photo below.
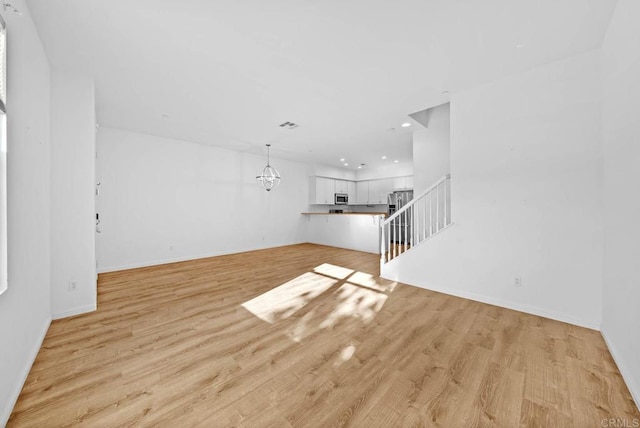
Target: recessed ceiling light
(519, 46)
(384, 157)
(406, 125)
(341, 159)
(359, 166)
(346, 164)
(396, 161)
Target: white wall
(163, 200)
(526, 196)
(390, 170)
(431, 149)
(332, 172)
(621, 138)
(25, 307)
(72, 195)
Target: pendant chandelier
(270, 176)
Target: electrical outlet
(517, 282)
(73, 285)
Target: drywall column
(73, 264)
(621, 134)
(25, 308)
(431, 149)
(526, 179)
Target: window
(3, 157)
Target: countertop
(371, 213)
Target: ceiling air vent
(288, 125)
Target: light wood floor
(309, 336)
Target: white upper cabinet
(374, 192)
(384, 189)
(379, 190)
(367, 192)
(341, 186)
(321, 190)
(351, 191)
(403, 183)
(362, 192)
(409, 182)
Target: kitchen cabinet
(362, 192)
(321, 190)
(384, 189)
(351, 191)
(403, 183)
(341, 186)
(409, 182)
(374, 192)
(367, 192)
(379, 191)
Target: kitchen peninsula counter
(371, 213)
(354, 231)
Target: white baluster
(437, 209)
(404, 241)
(444, 204)
(431, 214)
(393, 228)
(424, 220)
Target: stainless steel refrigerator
(401, 226)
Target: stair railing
(417, 221)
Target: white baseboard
(5, 412)
(593, 325)
(634, 389)
(352, 248)
(187, 258)
(74, 311)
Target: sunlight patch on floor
(288, 298)
(303, 327)
(333, 271)
(358, 296)
(374, 282)
(345, 354)
(355, 302)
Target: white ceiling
(228, 72)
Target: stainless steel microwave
(341, 199)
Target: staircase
(419, 220)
